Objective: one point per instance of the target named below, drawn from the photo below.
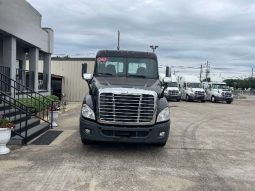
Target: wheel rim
(213, 99)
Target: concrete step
(10, 112)
(31, 134)
(19, 118)
(20, 127)
(4, 107)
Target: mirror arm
(162, 93)
(89, 85)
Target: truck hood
(172, 88)
(124, 82)
(198, 89)
(223, 90)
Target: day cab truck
(218, 91)
(125, 102)
(172, 91)
(191, 89)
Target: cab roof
(125, 53)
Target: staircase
(29, 121)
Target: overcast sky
(188, 33)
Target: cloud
(187, 33)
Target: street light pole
(153, 48)
(118, 47)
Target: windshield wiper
(106, 74)
(138, 76)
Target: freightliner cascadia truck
(126, 100)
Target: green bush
(37, 104)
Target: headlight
(163, 115)
(87, 112)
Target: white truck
(217, 91)
(172, 92)
(191, 89)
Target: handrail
(19, 90)
(23, 109)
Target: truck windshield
(219, 86)
(194, 85)
(126, 67)
(172, 84)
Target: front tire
(178, 100)
(213, 100)
(85, 142)
(187, 97)
(160, 144)
(229, 102)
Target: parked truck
(126, 102)
(218, 91)
(191, 89)
(172, 91)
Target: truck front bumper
(128, 134)
(218, 98)
(173, 97)
(197, 98)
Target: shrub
(37, 104)
(5, 123)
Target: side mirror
(84, 74)
(87, 77)
(166, 80)
(167, 71)
(84, 69)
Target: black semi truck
(126, 100)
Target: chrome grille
(226, 94)
(199, 93)
(121, 108)
(173, 92)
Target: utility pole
(201, 73)
(252, 73)
(153, 48)
(118, 47)
(207, 71)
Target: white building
(21, 36)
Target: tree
(241, 83)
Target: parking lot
(211, 147)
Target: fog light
(162, 134)
(87, 131)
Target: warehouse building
(66, 77)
